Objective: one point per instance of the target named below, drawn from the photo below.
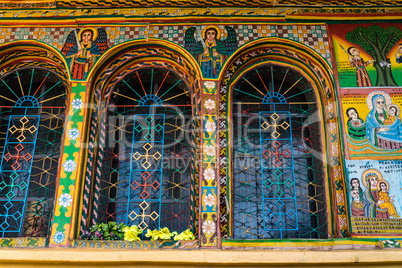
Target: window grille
(278, 178)
(32, 104)
(145, 178)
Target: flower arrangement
(105, 231)
(114, 231)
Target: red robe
(362, 77)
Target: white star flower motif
(209, 85)
(77, 104)
(59, 237)
(73, 133)
(208, 227)
(65, 200)
(209, 200)
(69, 165)
(209, 174)
(210, 150)
(210, 126)
(209, 104)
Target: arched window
(278, 177)
(147, 156)
(32, 104)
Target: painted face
(373, 182)
(355, 184)
(355, 52)
(383, 186)
(400, 48)
(354, 193)
(210, 35)
(392, 111)
(86, 37)
(380, 103)
(353, 114)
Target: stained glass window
(32, 104)
(278, 174)
(145, 178)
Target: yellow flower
(185, 235)
(162, 234)
(131, 233)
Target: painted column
(209, 189)
(69, 175)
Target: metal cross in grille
(275, 117)
(17, 157)
(147, 156)
(143, 225)
(24, 121)
(144, 194)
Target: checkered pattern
(313, 36)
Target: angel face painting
(82, 49)
(211, 52)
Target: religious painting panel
(368, 55)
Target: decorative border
(165, 244)
(23, 242)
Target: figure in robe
(210, 51)
(385, 201)
(83, 49)
(371, 178)
(356, 125)
(398, 54)
(362, 77)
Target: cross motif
(143, 225)
(285, 125)
(147, 156)
(145, 175)
(17, 157)
(277, 163)
(21, 130)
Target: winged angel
(210, 51)
(83, 48)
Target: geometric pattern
(278, 193)
(314, 36)
(15, 171)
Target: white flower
(73, 133)
(209, 104)
(209, 174)
(210, 126)
(77, 104)
(208, 227)
(65, 200)
(209, 200)
(210, 150)
(209, 85)
(59, 237)
(69, 165)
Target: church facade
(253, 125)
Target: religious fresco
(375, 197)
(209, 49)
(368, 55)
(372, 123)
(82, 49)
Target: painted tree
(377, 42)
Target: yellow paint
(69, 209)
(175, 258)
(71, 110)
(63, 174)
(54, 231)
(57, 206)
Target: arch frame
(108, 71)
(318, 72)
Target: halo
(398, 111)
(218, 31)
(94, 31)
(371, 173)
(372, 94)
(378, 184)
